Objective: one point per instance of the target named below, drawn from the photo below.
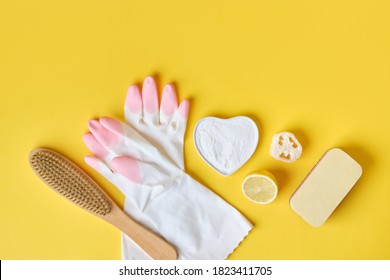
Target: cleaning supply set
(169, 214)
(227, 144)
(315, 199)
(230, 143)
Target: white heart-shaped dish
(226, 144)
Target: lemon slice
(260, 187)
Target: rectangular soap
(325, 186)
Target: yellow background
(320, 69)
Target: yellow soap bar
(325, 186)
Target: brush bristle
(65, 178)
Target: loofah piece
(69, 181)
(285, 147)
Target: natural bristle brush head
(68, 180)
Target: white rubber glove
(158, 193)
(163, 128)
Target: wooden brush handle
(154, 245)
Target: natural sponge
(285, 147)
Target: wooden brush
(68, 180)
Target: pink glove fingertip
(184, 108)
(112, 125)
(94, 146)
(133, 99)
(128, 168)
(103, 135)
(93, 162)
(168, 100)
(149, 95)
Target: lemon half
(260, 187)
